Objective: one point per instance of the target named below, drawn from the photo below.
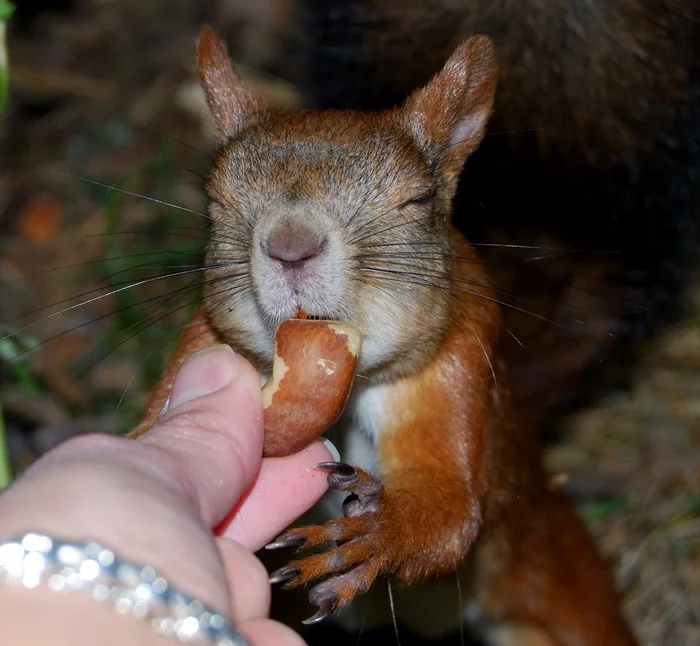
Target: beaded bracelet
(138, 590)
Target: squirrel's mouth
(305, 316)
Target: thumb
(212, 429)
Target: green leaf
(6, 10)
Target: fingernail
(204, 373)
(166, 407)
(332, 448)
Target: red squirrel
(346, 214)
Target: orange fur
(198, 335)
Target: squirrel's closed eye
(421, 200)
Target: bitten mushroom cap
(312, 375)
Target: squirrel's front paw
(368, 543)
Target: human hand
(155, 500)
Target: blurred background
(105, 108)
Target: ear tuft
(448, 116)
(229, 100)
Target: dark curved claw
(325, 609)
(284, 574)
(295, 541)
(339, 473)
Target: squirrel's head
(341, 214)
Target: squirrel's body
(346, 215)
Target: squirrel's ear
(448, 116)
(229, 100)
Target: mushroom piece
(312, 375)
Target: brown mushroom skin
(312, 376)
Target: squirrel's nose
(293, 244)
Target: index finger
(284, 489)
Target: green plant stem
(5, 467)
(6, 10)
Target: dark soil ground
(104, 94)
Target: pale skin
(156, 500)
